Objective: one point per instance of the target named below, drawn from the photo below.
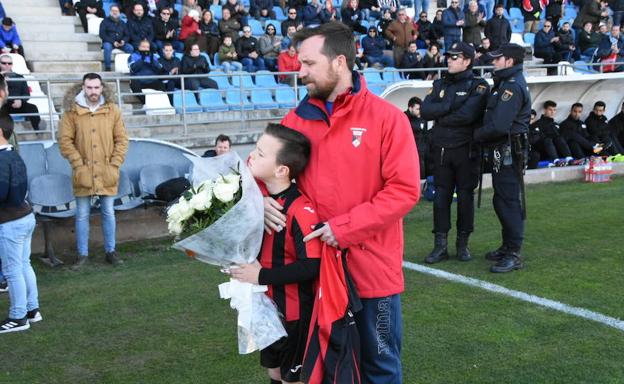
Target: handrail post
(50, 108)
(183, 91)
(242, 103)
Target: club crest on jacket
(358, 134)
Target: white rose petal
(225, 192)
(185, 209)
(202, 200)
(174, 213)
(175, 228)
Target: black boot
(497, 254)
(440, 251)
(112, 258)
(463, 253)
(510, 262)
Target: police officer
(420, 130)
(456, 104)
(504, 137)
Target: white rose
(174, 213)
(224, 191)
(175, 228)
(232, 178)
(185, 209)
(202, 200)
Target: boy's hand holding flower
(247, 273)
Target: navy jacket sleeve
(471, 110)
(434, 106)
(542, 42)
(501, 111)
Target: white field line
(551, 304)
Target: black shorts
(287, 352)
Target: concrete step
(67, 29)
(30, 3)
(64, 55)
(56, 47)
(65, 66)
(69, 36)
(41, 11)
(35, 19)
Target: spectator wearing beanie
(9, 38)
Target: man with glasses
(420, 7)
(453, 20)
(114, 35)
(545, 47)
(247, 51)
(504, 138)
(18, 89)
(291, 20)
(165, 31)
(424, 27)
(374, 46)
(456, 104)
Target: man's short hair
(565, 23)
(222, 138)
(576, 105)
(413, 101)
(91, 76)
(499, 5)
(600, 103)
(587, 22)
(7, 21)
(167, 44)
(549, 103)
(533, 112)
(6, 124)
(295, 151)
(114, 6)
(338, 40)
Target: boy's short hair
(413, 101)
(576, 105)
(6, 124)
(223, 138)
(549, 103)
(295, 151)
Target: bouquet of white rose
(220, 221)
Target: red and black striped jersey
(294, 299)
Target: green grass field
(158, 318)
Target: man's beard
(322, 92)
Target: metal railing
(182, 113)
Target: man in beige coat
(94, 141)
(401, 33)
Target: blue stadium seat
(515, 13)
(516, 19)
(152, 175)
(391, 75)
(189, 99)
(529, 38)
(263, 99)
(210, 65)
(266, 79)
(233, 100)
(373, 76)
(179, 55)
(56, 163)
(106, 6)
(126, 199)
(285, 97)
(17, 118)
(34, 157)
(377, 89)
(303, 92)
(256, 27)
(221, 78)
(569, 12)
(178, 7)
(279, 13)
(52, 195)
(217, 11)
(245, 77)
(212, 100)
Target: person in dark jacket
(140, 27)
(229, 26)
(552, 146)
(616, 125)
(531, 11)
(165, 31)
(352, 16)
(590, 12)
(436, 32)
(329, 12)
(247, 51)
(17, 224)
(374, 46)
(412, 60)
(195, 64)
(209, 37)
(370, 9)
(599, 130)
(18, 89)
(545, 47)
(424, 28)
(474, 23)
(618, 11)
(311, 14)
(565, 46)
(574, 131)
(453, 20)
(144, 62)
(237, 11)
(554, 12)
(421, 134)
(503, 136)
(498, 29)
(262, 9)
(456, 104)
(89, 7)
(588, 40)
(114, 35)
(612, 43)
(170, 65)
(291, 19)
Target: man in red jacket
(363, 177)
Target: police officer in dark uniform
(456, 104)
(504, 137)
(420, 130)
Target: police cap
(463, 49)
(510, 51)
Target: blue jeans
(15, 237)
(108, 49)
(229, 66)
(618, 17)
(83, 210)
(419, 6)
(253, 65)
(383, 60)
(380, 326)
(489, 8)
